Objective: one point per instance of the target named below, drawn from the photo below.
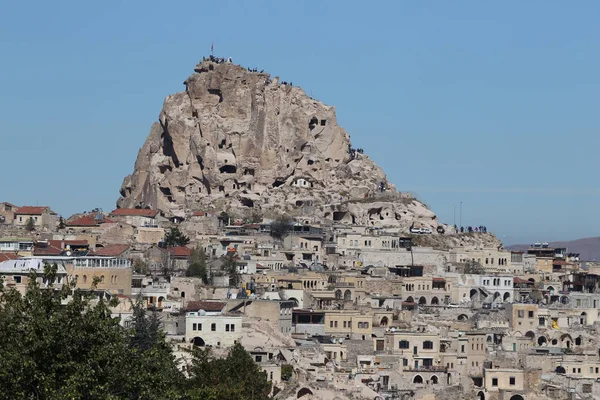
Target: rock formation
(240, 141)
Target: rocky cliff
(240, 141)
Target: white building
(207, 325)
(500, 289)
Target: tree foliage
(175, 238)
(473, 267)
(281, 227)
(197, 267)
(30, 224)
(235, 377)
(62, 343)
(230, 267)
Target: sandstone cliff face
(240, 141)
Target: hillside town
(333, 309)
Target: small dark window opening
(278, 182)
(247, 203)
(228, 169)
(221, 188)
(310, 162)
(323, 122)
(222, 144)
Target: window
(365, 325)
(349, 324)
(84, 278)
(331, 324)
(17, 278)
(199, 327)
(428, 344)
(194, 327)
(226, 327)
(405, 362)
(530, 314)
(404, 344)
(462, 348)
(521, 313)
(102, 279)
(232, 327)
(495, 382)
(512, 381)
(258, 358)
(345, 323)
(335, 323)
(213, 327)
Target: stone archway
(517, 397)
(304, 392)
(542, 341)
(435, 301)
(347, 295)
(198, 341)
(422, 301)
(418, 379)
(480, 395)
(384, 321)
(434, 380)
(338, 294)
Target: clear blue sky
(494, 104)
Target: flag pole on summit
(212, 48)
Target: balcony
(421, 368)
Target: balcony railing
(422, 368)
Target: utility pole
(460, 221)
(454, 215)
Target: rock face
(240, 141)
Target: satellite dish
(68, 253)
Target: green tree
(151, 357)
(286, 372)
(62, 343)
(236, 377)
(175, 238)
(230, 267)
(197, 266)
(281, 227)
(30, 224)
(140, 266)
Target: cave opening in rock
(228, 169)
(218, 93)
(247, 203)
(278, 182)
(312, 123)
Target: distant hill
(588, 248)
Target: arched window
(102, 279)
(84, 278)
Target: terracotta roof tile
(8, 256)
(31, 210)
(179, 251)
(210, 306)
(112, 250)
(56, 247)
(88, 220)
(141, 212)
